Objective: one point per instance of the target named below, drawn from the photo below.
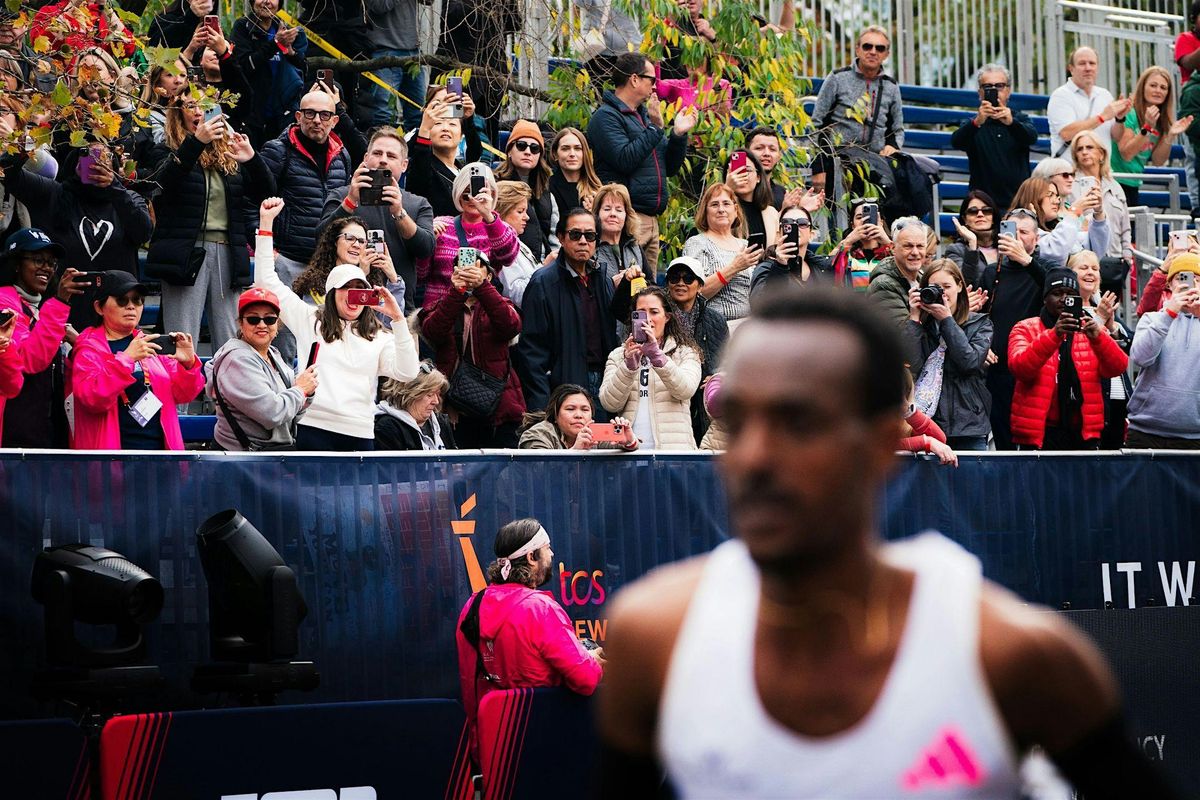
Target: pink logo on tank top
(947, 761)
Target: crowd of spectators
(365, 276)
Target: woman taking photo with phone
(651, 378)
(948, 348)
(566, 424)
(791, 261)
(30, 285)
(1061, 229)
(1102, 307)
(125, 389)
(749, 182)
(259, 397)
(355, 350)
(470, 329)
(1092, 169)
(726, 257)
(478, 226)
(199, 247)
(344, 241)
(864, 246)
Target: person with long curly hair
(344, 241)
(199, 246)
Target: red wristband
(1171, 314)
(721, 277)
(261, 232)
(1147, 130)
(1100, 119)
(349, 204)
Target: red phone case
(363, 297)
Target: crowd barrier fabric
(44, 759)
(387, 548)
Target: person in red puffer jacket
(1057, 404)
(476, 323)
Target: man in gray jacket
(1166, 348)
(858, 105)
(406, 219)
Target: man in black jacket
(631, 147)
(568, 330)
(791, 262)
(405, 218)
(997, 139)
(1015, 288)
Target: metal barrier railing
(1170, 180)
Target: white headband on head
(540, 539)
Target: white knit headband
(540, 539)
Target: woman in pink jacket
(11, 376)
(125, 392)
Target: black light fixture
(79, 583)
(254, 613)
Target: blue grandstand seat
(197, 427)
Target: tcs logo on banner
(349, 793)
(580, 587)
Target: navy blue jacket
(627, 149)
(303, 189)
(553, 345)
(176, 252)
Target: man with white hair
(1081, 105)
(997, 139)
(898, 273)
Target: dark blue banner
(385, 546)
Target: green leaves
(61, 95)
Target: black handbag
(474, 391)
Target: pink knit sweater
(497, 240)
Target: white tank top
(934, 730)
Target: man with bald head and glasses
(308, 162)
(997, 139)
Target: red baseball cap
(257, 295)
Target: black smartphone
(373, 194)
(1073, 306)
(992, 96)
(791, 235)
(758, 240)
(312, 354)
(477, 184)
(195, 74)
(167, 345)
(92, 279)
(324, 76)
(6, 316)
(870, 214)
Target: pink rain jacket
(97, 377)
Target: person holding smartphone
(473, 323)
(728, 259)
(259, 397)
(653, 375)
(124, 391)
(31, 284)
(566, 424)
(789, 258)
(1058, 359)
(355, 349)
(1162, 408)
(1102, 306)
(1092, 168)
(863, 247)
(746, 176)
(435, 164)
(997, 139)
(271, 56)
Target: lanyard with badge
(147, 405)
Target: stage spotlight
(78, 582)
(254, 612)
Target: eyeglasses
(575, 235)
(130, 300)
(979, 211)
(682, 277)
(652, 78)
(996, 86)
(41, 261)
(350, 237)
(878, 48)
(523, 145)
(256, 321)
(312, 113)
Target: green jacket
(1189, 103)
(890, 288)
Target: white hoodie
(349, 368)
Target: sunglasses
(1063, 175)
(312, 113)
(979, 211)
(652, 78)
(575, 235)
(878, 48)
(996, 86)
(1022, 212)
(799, 222)
(256, 321)
(523, 145)
(130, 300)
(682, 277)
(349, 237)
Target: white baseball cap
(342, 274)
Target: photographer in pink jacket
(125, 383)
(512, 636)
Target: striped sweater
(497, 240)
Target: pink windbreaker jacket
(98, 376)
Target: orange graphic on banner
(464, 529)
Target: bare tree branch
(438, 62)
